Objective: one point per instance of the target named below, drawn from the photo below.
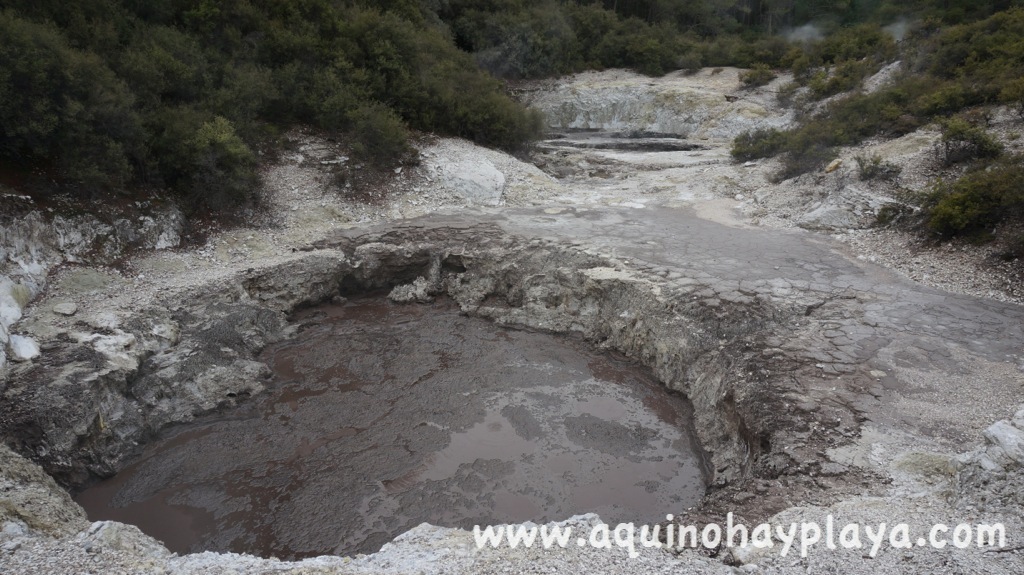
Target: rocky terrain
(822, 383)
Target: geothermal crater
(383, 416)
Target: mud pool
(385, 416)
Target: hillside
(187, 97)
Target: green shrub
(856, 43)
(1014, 248)
(801, 67)
(692, 61)
(947, 98)
(109, 95)
(540, 43)
(804, 157)
(874, 168)
(844, 77)
(840, 61)
(65, 108)
(978, 200)
(892, 213)
(379, 136)
(787, 93)
(757, 76)
(761, 143)
(224, 168)
(1013, 94)
(962, 141)
(803, 150)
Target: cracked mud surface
(387, 416)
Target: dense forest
(141, 96)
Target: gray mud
(382, 417)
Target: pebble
(68, 309)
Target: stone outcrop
(690, 106)
(992, 476)
(34, 242)
(476, 182)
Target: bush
(787, 94)
(962, 141)
(874, 168)
(64, 108)
(892, 213)
(539, 44)
(691, 62)
(761, 143)
(856, 43)
(979, 200)
(1013, 94)
(840, 61)
(946, 98)
(843, 77)
(379, 136)
(224, 168)
(804, 158)
(805, 149)
(758, 76)
(111, 95)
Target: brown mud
(385, 416)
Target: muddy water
(386, 416)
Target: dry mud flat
(816, 381)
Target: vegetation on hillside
(186, 95)
(528, 38)
(949, 72)
(951, 69)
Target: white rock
(123, 538)
(988, 464)
(1008, 438)
(418, 291)
(13, 530)
(66, 308)
(23, 348)
(1018, 419)
(829, 217)
(117, 348)
(883, 77)
(477, 181)
(691, 106)
(12, 301)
